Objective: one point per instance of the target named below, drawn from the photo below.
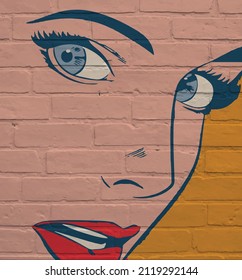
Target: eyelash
(48, 41)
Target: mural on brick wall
(134, 197)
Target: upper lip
(126, 182)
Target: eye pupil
(67, 56)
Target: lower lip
(63, 248)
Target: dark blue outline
(127, 182)
(105, 20)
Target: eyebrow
(110, 22)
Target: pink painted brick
(48, 81)
(97, 107)
(147, 25)
(5, 28)
(16, 240)
(156, 108)
(125, 134)
(20, 54)
(154, 162)
(158, 161)
(85, 162)
(101, 212)
(207, 28)
(27, 6)
(23, 31)
(184, 6)
(10, 188)
(166, 54)
(230, 7)
(53, 135)
(24, 215)
(108, 6)
(57, 189)
(6, 136)
(21, 78)
(24, 107)
(146, 81)
(19, 161)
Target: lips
(84, 240)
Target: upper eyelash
(54, 39)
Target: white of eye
(95, 67)
(203, 95)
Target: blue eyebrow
(115, 24)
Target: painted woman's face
(124, 135)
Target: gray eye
(70, 57)
(186, 88)
(195, 91)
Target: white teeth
(86, 231)
(89, 245)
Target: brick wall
(53, 131)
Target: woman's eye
(79, 61)
(195, 91)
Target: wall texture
(37, 117)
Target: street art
(201, 90)
(205, 88)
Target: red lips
(79, 240)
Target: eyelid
(54, 39)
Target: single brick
(185, 215)
(157, 108)
(24, 107)
(10, 188)
(20, 54)
(109, 6)
(223, 161)
(158, 161)
(92, 212)
(207, 28)
(232, 112)
(223, 135)
(217, 188)
(19, 161)
(166, 241)
(16, 240)
(28, 6)
(146, 81)
(48, 81)
(85, 162)
(218, 240)
(57, 189)
(6, 29)
(144, 24)
(231, 7)
(24, 215)
(6, 135)
(187, 6)
(225, 214)
(21, 78)
(166, 54)
(125, 134)
(97, 107)
(54, 135)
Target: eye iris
(186, 88)
(70, 57)
(67, 56)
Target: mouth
(84, 240)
